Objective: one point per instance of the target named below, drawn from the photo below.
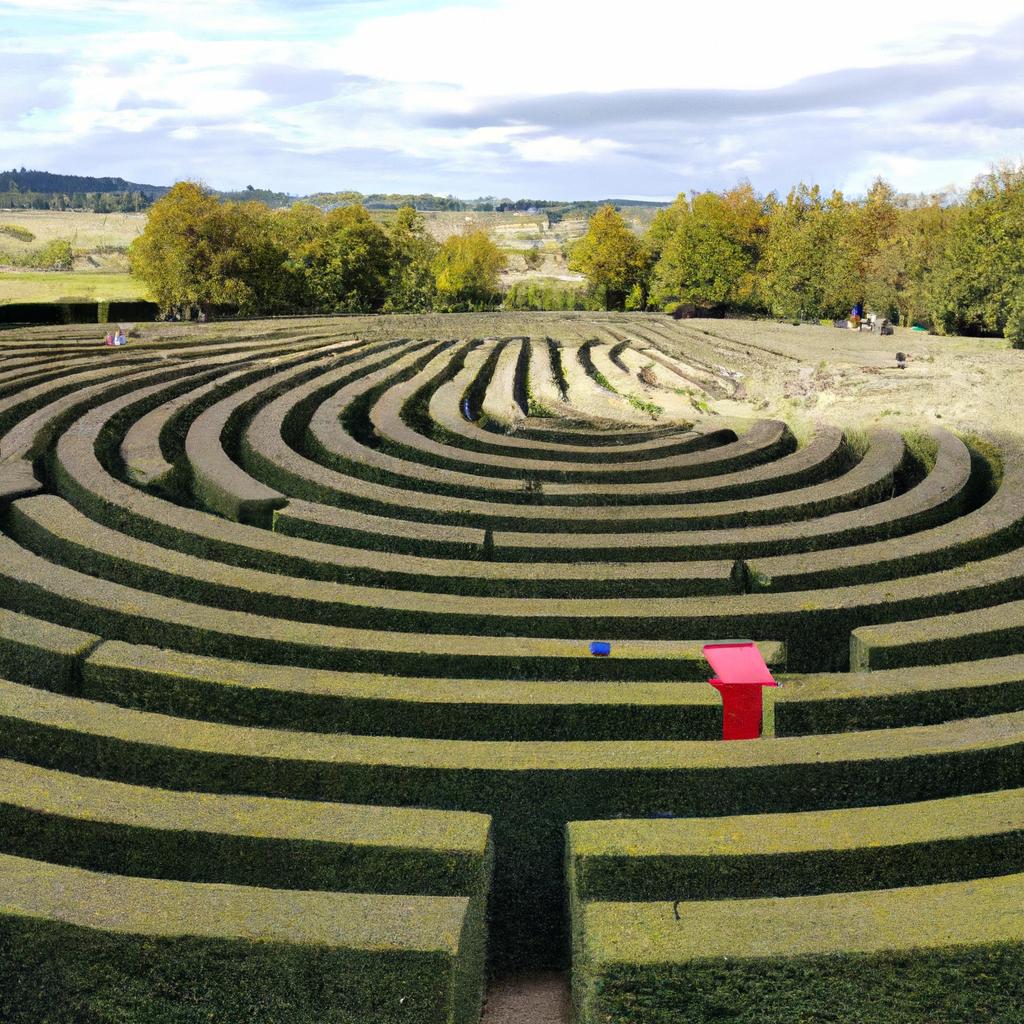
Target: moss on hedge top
(154, 907)
(944, 916)
(877, 750)
(57, 793)
(805, 831)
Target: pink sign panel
(739, 663)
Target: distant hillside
(44, 181)
(45, 190)
(555, 208)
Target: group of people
(116, 340)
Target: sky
(557, 99)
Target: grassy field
(98, 240)
(85, 231)
(40, 286)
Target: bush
(55, 255)
(1014, 330)
(545, 295)
(13, 231)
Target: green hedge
(398, 439)
(752, 856)
(642, 534)
(41, 653)
(841, 702)
(984, 633)
(952, 953)
(996, 526)
(243, 693)
(48, 525)
(113, 610)
(531, 789)
(218, 483)
(77, 473)
(78, 946)
(437, 414)
(273, 843)
(815, 626)
(17, 480)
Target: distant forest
(40, 190)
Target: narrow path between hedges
(536, 997)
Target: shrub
(1015, 322)
(55, 255)
(14, 231)
(545, 295)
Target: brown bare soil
(539, 997)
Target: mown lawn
(41, 286)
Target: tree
(1014, 329)
(978, 280)
(664, 225)
(347, 264)
(412, 287)
(710, 256)
(466, 272)
(611, 257)
(897, 277)
(871, 223)
(293, 229)
(810, 265)
(198, 252)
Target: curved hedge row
(363, 573)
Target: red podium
(741, 674)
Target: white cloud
(652, 44)
(301, 88)
(560, 149)
(911, 174)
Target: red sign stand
(741, 675)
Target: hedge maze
(299, 721)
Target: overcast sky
(539, 98)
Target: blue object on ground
(600, 648)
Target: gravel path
(539, 997)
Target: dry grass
(41, 286)
(85, 231)
(799, 374)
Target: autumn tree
(346, 263)
(413, 287)
(196, 252)
(810, 265)
(896, 282)
(978, 282)
(710, 253)
(611, 257)
(466, 271)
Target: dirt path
(539, 997)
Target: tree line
(198, 252)
(41, 190)
(954, 264)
